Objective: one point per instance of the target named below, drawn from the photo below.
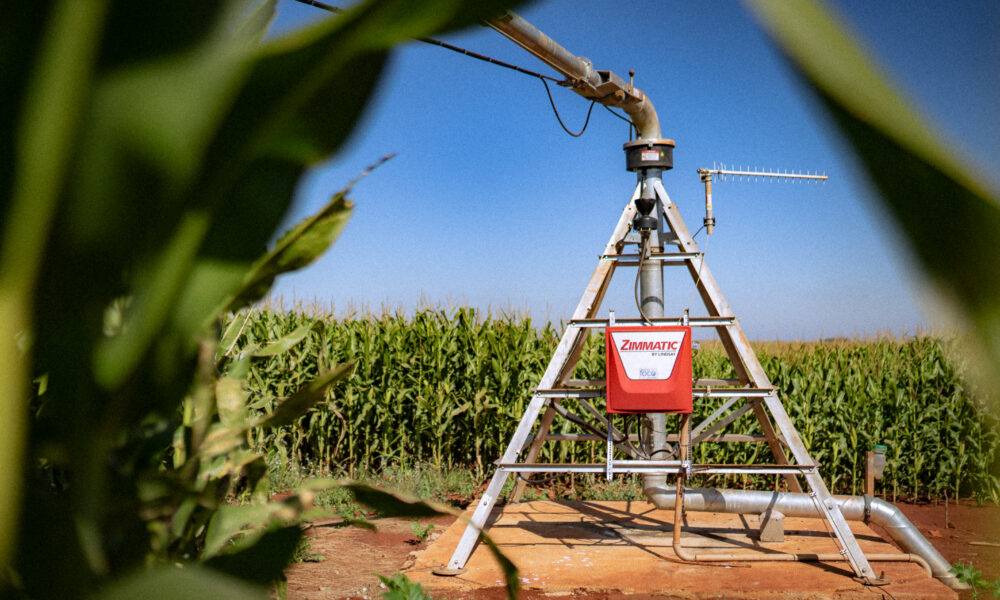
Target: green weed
(399, 587)
(421, 531)
(967, 573)
(304, 553)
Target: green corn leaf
(230, 521)
(231, 402)
(254, 26)
(509, 568)
(286, 343)
(234, 409)
(235, 463)
(304, 399)
(233, 332)
(239, 173)
(179, 520)
(153, 119)
(391, 504)
(399, 587)
(240, 368)
(239, 528)
(35, 163)
(181, 583)
(950, 219)
(262, 561)
(299, 247)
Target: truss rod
(691, 321)
(653, 467)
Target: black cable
(325, 7)
(485, 58)
(612, 111)
(451, 47)
(631, 421)
(643, 247)
(564, 413)
(544, 78)
(558, 118)
(540, 481)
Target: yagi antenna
(746, 174)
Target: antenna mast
(752, 175)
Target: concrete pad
(582, 547)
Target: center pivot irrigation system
(648, 372)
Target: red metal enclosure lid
(648, 369)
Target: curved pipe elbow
(909, 538)
(882, 513)
(644, 117)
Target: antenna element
(722, 173)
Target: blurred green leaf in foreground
(148, 152)
(947, 214)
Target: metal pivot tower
(751, 392)
(651, 222)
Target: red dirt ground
(354, 556)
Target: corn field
(447, 387)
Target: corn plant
(148, 152)
(448, 387)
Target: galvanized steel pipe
(882, 513)
(512, 26)
(603, 86)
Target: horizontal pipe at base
(882, 513)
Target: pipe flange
(879, 581)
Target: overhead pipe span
(603, 86)
(882, 513)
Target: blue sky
(489, 203)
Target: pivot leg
(560, 365)
(486, 503)
(536, 447)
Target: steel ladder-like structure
(752, 387)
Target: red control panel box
(648, 369)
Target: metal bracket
(611, 450)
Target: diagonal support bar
(744, 360)
(715, 415)
(749, 370)
(560, 368)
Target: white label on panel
(648, 354)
